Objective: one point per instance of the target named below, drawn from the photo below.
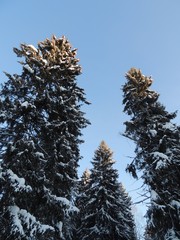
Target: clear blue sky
(111, 36)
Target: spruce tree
(41, 122)
(82, 187)
(157, 154)
(127, 202)
(104, 214)
(80, 200)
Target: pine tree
(104, 213)
(157, 154)
(41, 124)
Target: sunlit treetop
(54, 53)
(137, 90)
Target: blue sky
(111, 37)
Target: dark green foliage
(40, 133)
(157, 154)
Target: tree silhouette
(157, 154)
(41, 124)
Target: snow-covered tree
(41, 122)
(157, 154)
(104, 214)
(84, 179)
(80, 200)
(81, 189)
(127, 202)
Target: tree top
(138, 82)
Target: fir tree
(104, 214)
(157, 154)
(41, 124)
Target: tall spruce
(157, 154)
(41, 122)
(104, 213)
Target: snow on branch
(27, 67)
(32, 47)
(61, 201)
(161, 159)
(17, 182)
(21, 218)
(169, 126)
(171, 235)
(175, 203)
(154, 195)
